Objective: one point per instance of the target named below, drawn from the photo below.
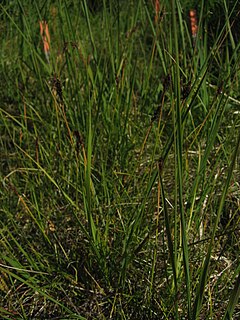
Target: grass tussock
(119, 151)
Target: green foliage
(119, 157)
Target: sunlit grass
(119, 162)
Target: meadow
(120, 159)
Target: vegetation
(119, 153)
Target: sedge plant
(119, 152)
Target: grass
(119, 151)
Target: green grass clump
(119, 156)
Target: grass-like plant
(119, 151)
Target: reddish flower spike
(193, 21)
(45, 38)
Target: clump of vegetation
(119, 153)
